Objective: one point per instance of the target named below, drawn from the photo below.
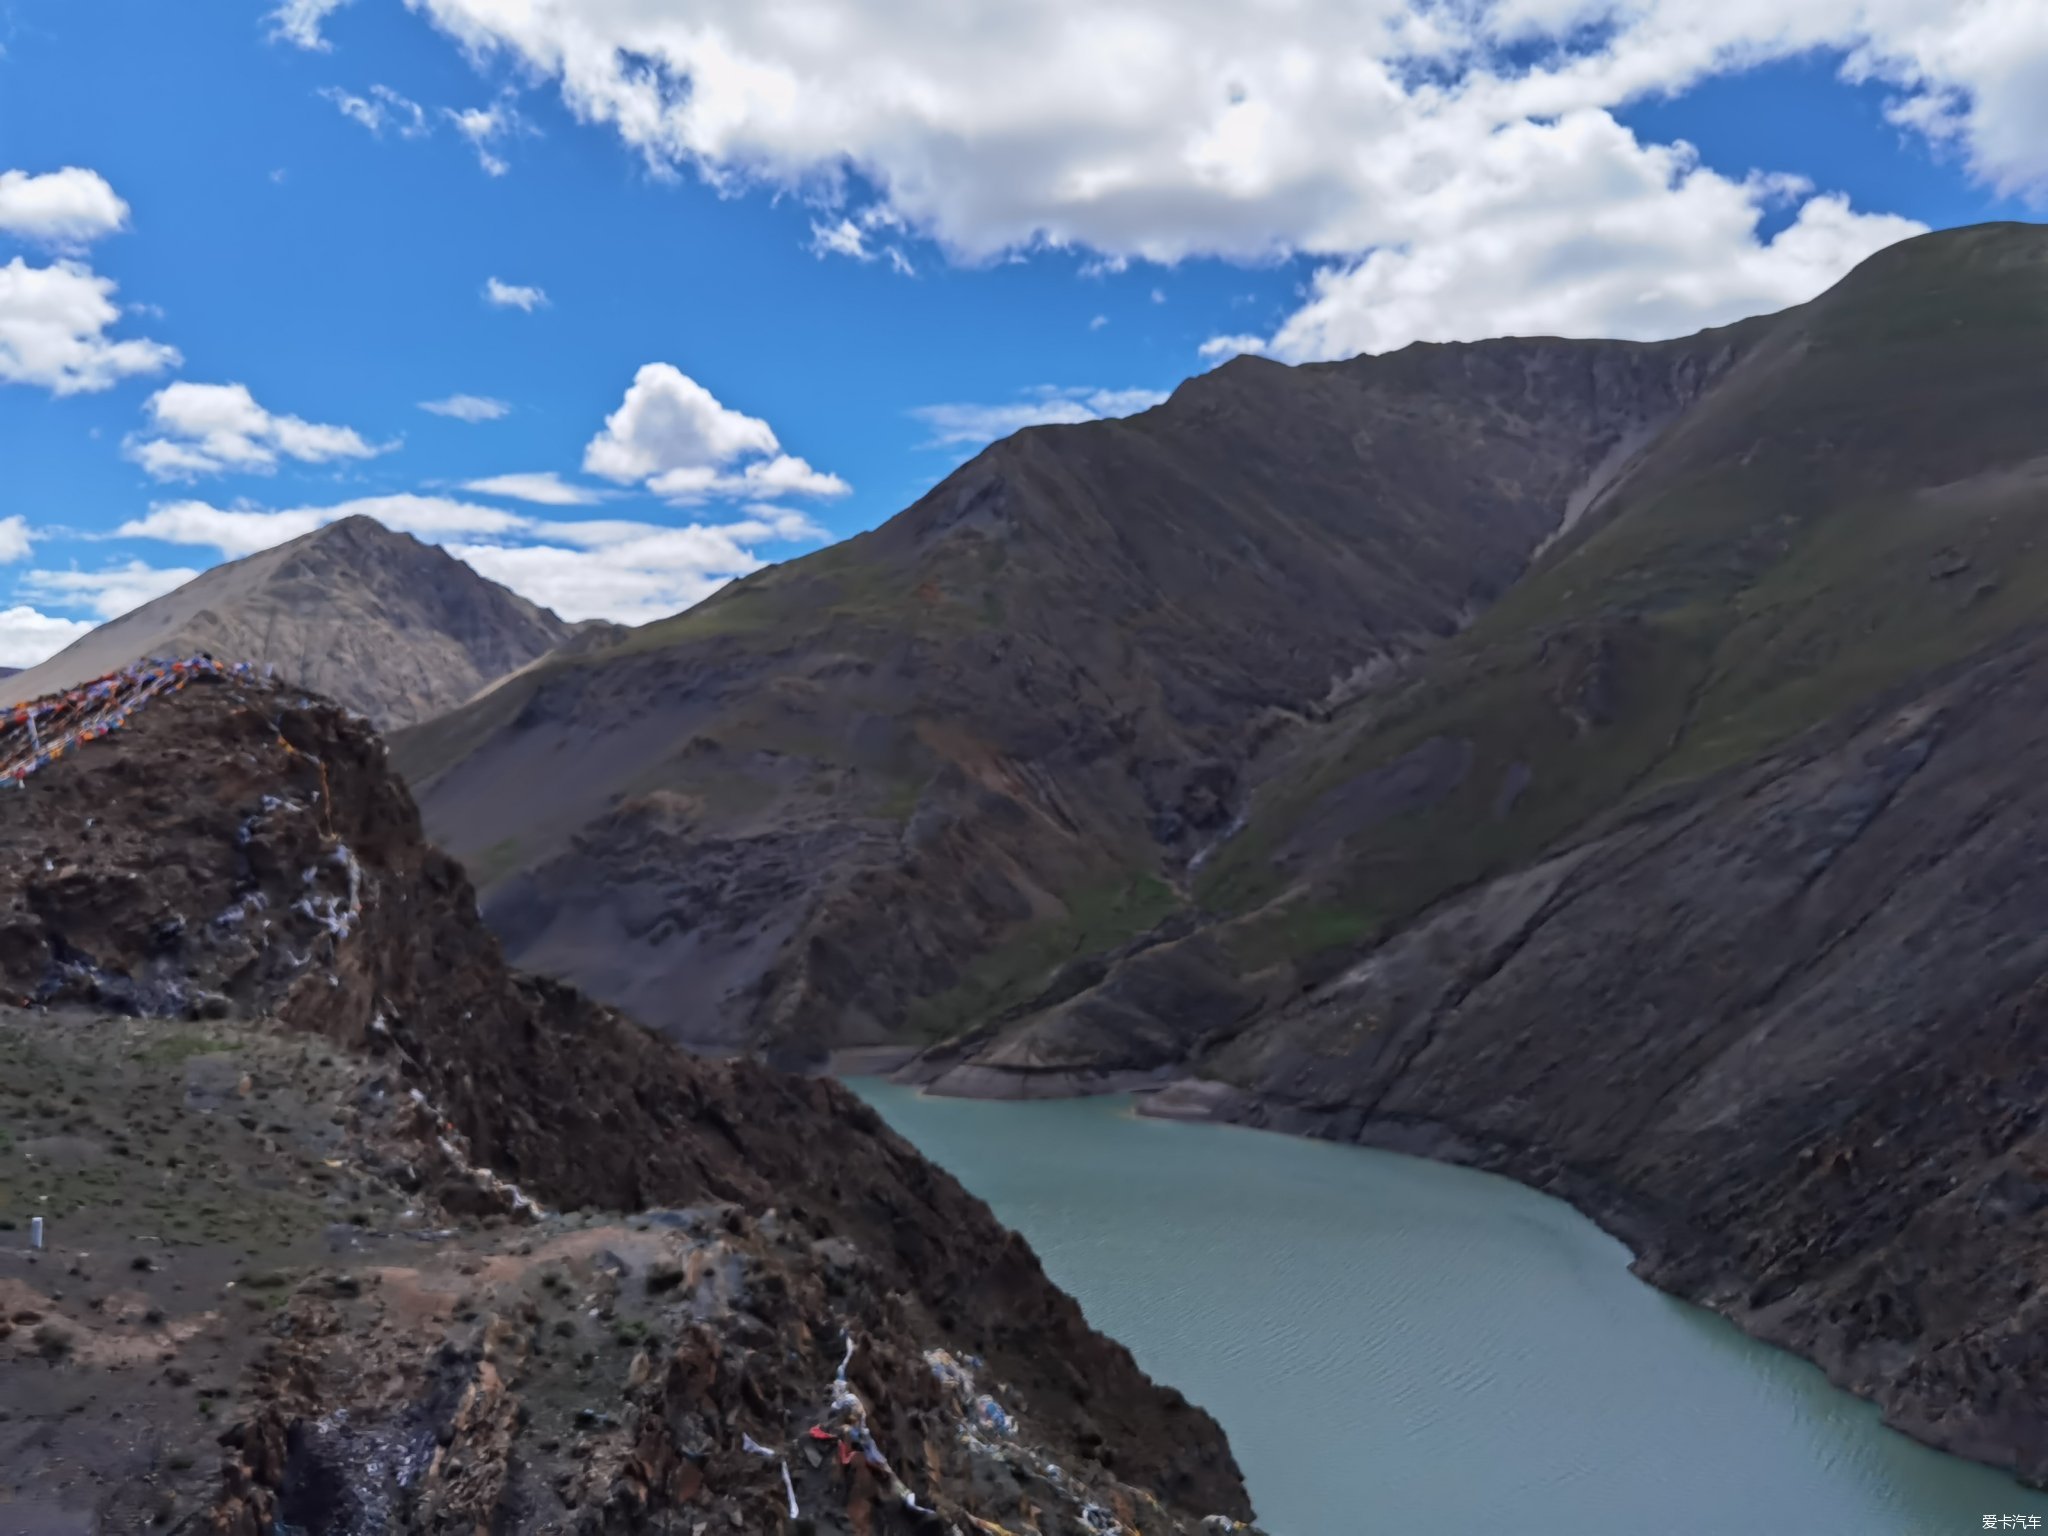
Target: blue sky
(804, 259)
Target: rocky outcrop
(394, 628)
(421, 1149)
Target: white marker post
(35, 1231)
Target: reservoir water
(1399, 1347)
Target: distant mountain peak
(396, 628)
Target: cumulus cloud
(53, 331)
(634, 572)
(782, 475)
(15, 539)
(298, 22)
(382, 108)
(210, 429)
(673, 435)
(669, 421)
(1218, 348)
(469, 408)
(1637, 223)
(28, 635)
(513, 295)
(1440, 142)
(245, 530)
(634, 580)
(546, 489)
(107, 593)
(956, 424)
(69, 207)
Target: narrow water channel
(1399, 1347)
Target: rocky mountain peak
(393, 627)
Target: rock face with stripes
(436, 1246)
(393, 628)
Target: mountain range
(1614, 764)
(1609, 763)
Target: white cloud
(1432, 138)
(53, 331)
(841, 239)
(1158, 296)
(669, 421)
(546, 489)
(1219, 348)
(1623, 232)
(513, 296)
(1044, 406)
(785, 523)
(15, 539)
(783, 475)
(244, 530)
(67, 208)
(28, 636)
(382, 108)
(210, 429)
(672, 434)
(485, 127)
(298, 22)
(235, 532)
(850, 237)
(106, 593)
(469, 408)
(631, 572)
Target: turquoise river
(1397, 1347)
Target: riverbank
(1394, 1344)
(1665, 1250)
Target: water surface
(1396, 1346)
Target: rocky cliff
(394, 628)
(350, 1228)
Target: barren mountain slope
(397, 629)
(856, 798)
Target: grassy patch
(175, 1049)
(494, 863)
(1097, 918)
(898, 801)
(1581, 717)
(1298, 931)
(1852, 508)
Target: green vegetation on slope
(1865, 499)
(1098, 918)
